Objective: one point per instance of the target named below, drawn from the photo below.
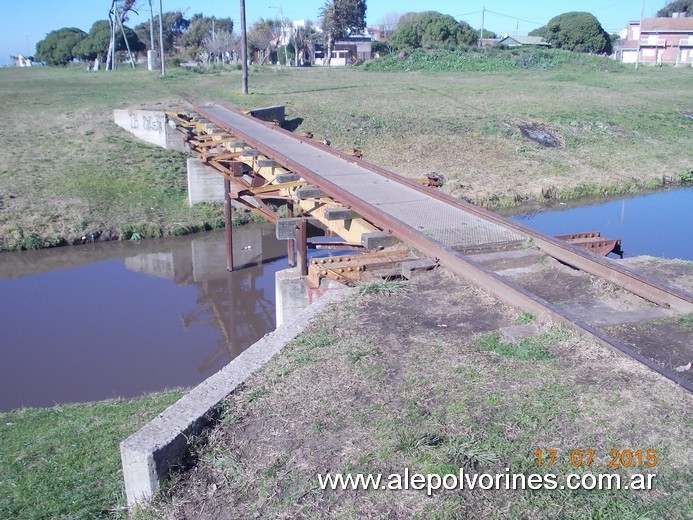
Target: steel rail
(501, 288)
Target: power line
(514, 18)
(467, 14)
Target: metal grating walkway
(451, 226)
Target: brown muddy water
(119, 319)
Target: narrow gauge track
(500, 287)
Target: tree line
(201, 37)
(208, 39)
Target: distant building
(378, 33)
(523, 41)
(356, 47)
(659, 41)
(488, 42)
(21, 61)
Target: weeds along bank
(66, 171)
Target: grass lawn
(67, 170)
(64, 462)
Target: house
(523, 41)
(378, 33)
(659, 41)
(356, 47)
(488, 42)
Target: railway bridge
(392, 225)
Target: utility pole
(111, 47)
(161, 36)
(637, 54)
(151, 55)
(481, 33)
(244, 50)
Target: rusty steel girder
(350, 269)
(594, 242)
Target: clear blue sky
(22, 24)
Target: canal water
(119, 319)
(116, 319)
(656, 224)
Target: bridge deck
(451, 226)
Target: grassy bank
(423, 381)
(66, 170)
(64, 462)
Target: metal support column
(228, 225)
(291, 244)
(302, 245)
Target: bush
(492, 59)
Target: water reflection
(119, 319)
(656, 224)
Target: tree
(389, 23)
(578, 32)
(339, 19)
(96, 44)
(303, 40)
(262, 36)
(218, 46)
(57, 48)
(431, 30)
(542, 31)
(174, 27)
(679, 6)
(203, 27)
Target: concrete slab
(309, 192)
(600, 315)
(204, 183)
(274, 113)
(503, 260)
(149, 126)
(410, 268)
(148, 454)
(286, 227)
(378, 239)
(287, 177)
(340, 214)
(267, 163)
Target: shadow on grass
(292, 124)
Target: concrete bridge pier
(292, 295)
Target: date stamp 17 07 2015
(589, 458)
